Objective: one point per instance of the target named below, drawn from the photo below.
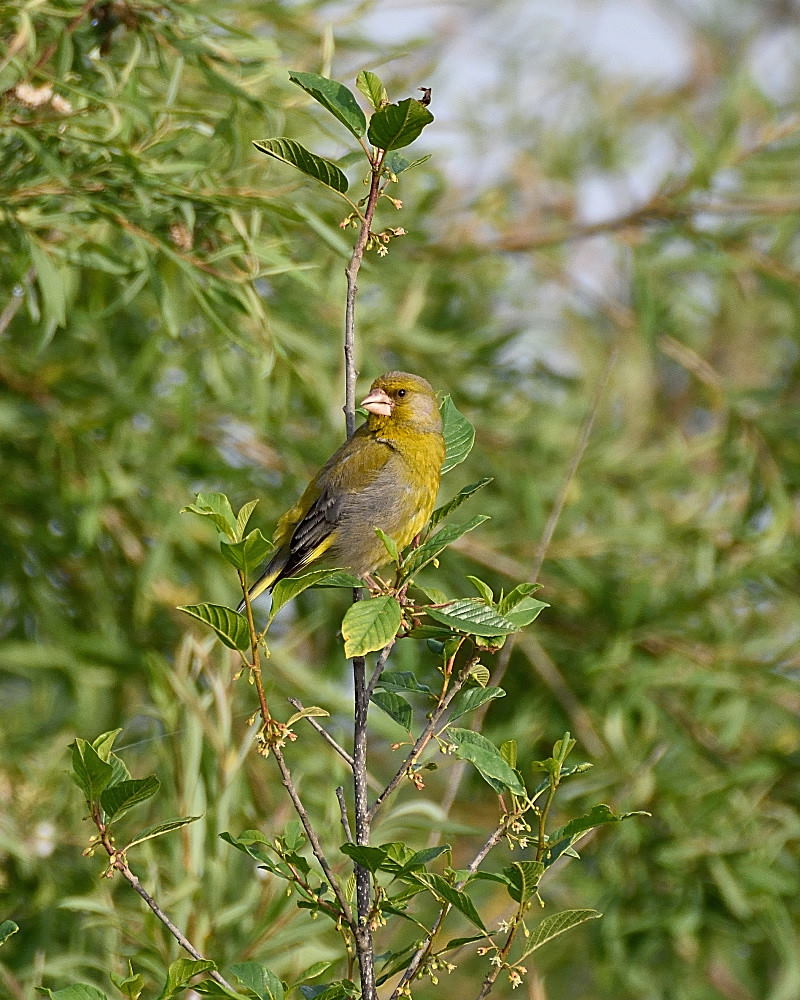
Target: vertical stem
(363, 932)
(362, 825)
(351, 273)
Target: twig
(346, 757)
(380, 663)
(541, 551)
(118, 862)
(361, 930)
(313, 839)
(343, 810)
(351, 272)
(422, 741)
(424, 950)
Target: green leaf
(484, 590)
(7, 928)
(104, 742)
(218, 507)
(402, 680)
(396, 163)
(291, 152)
(513, 597)
(129, 986)
(419, 859)
(370, 625)
(340, 578)
(341, 989)
(160, 829)
(508, 751)
(556, 924)
(389, 544)
(89, 772)
(314, 970)
(430, 549)
(244, 516)
(524, 612)
(372, 88)
(471, 615)
(480, 674)
(461, 941)
(180, 973)
(445, 892)
(334, 97)
(312, 712)
(597, 816)
(51, 279)
(447, 508)
(264, 983)
(472, 698)
(523, 879)
(395, 707)
(248, 554)
(252, 843)
(230, 626)
(485, 756)
(119, 769)
(398, 125)
(80, 991)
(120, 798)
(368, 857)
(459, 436)
(286, 590)
(293, 836)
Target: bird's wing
(349, 471)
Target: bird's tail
(266, 581)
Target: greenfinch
(385, 476)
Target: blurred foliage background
(171, 321)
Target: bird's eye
(401, 393)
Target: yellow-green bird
(385, 476)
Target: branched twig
(423, 952)
(361, 929)
(118, 862)
(541, 551)
(351, 273)
(313, 839)
(346, 757)
(422, 741)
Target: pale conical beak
(378, 402)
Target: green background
(171, 320)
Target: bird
(385, 476)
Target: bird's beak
(378, 402)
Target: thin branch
(541, 551)
(343, 811)
(361, 929)
(425, 948)
(118, 862)
(296, 703)
(422, 741)
(313, 839)
(380, 663)
(351, 273)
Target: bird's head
(400, 398)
